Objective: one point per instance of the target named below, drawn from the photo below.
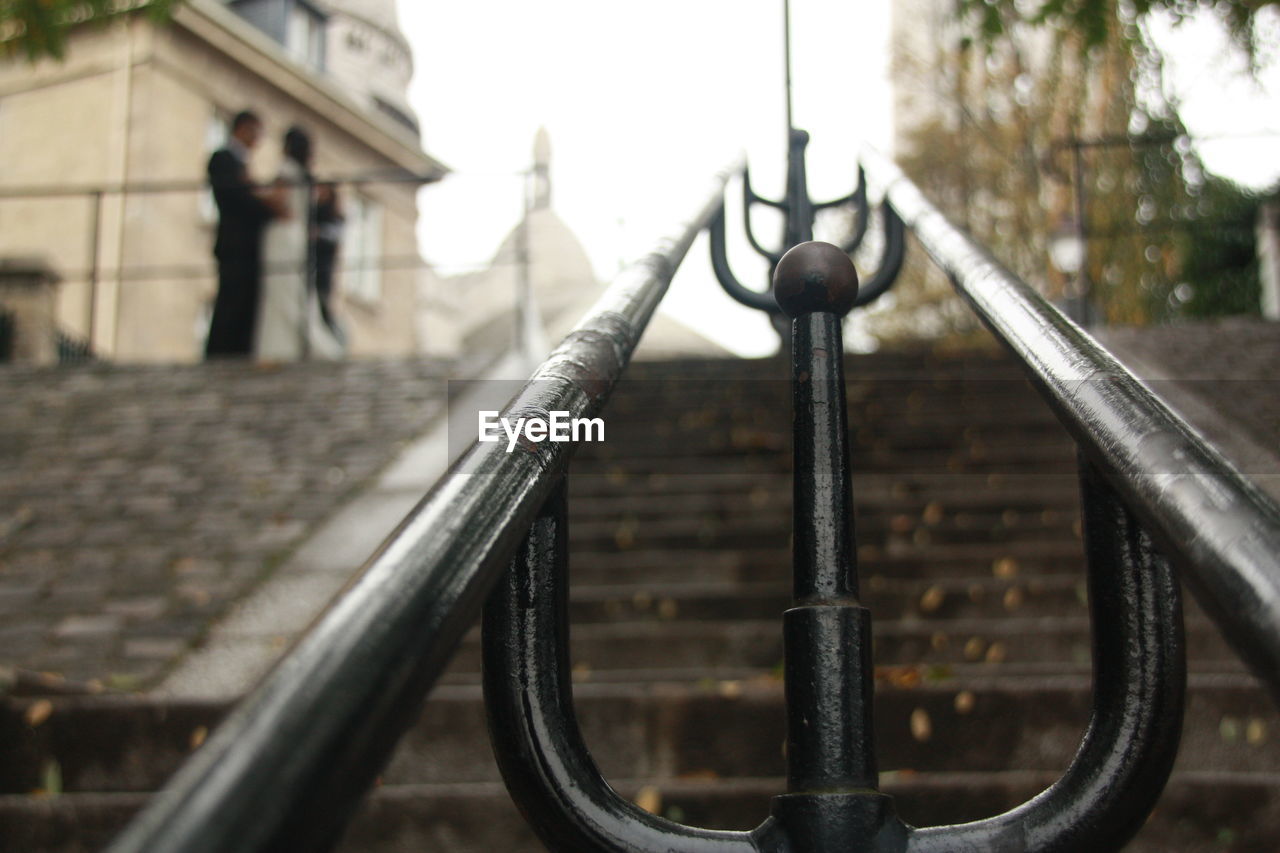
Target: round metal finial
(815, 276)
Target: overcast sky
(645, 100)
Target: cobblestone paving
(137, 503)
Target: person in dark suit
(242, 215)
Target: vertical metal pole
(95, 237)
(1082, 300)
(786, 58)
(523, 286)
(832, 801)
(799, 227)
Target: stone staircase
(970, 560)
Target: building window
(304, 37)
(362, 250)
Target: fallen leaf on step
(38, 712)
(932, 599)
(921, 725)
(1012, 598)
(1005, 567)
(649, 798)
(1256, 732)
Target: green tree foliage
(998, 152)
(1098, 22)
(1220, 261)
(39, 28)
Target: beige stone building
(102, 160)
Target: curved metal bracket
(749, 197)
(1139, 679)
(760, 300)
(535, 735)
(891, 257)
(861, 190)
(862, 213)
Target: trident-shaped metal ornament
(800, 211)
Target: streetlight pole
(786, 58)
(1081, 298)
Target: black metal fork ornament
(833, 802)
(800, 211)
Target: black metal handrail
(1220, 530)
(832, 799)
(287, 768)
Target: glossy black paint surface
(829, 686)
(532, 726)
(1139, 683)
(831, 801)
(823, 552)
(1219, 529)
(285, 771)
(799, 210)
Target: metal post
(799, 228)
(1083, 312)
(95, 236)
(523, 286)
(786, 58)
(831, 765)
(1268, 242)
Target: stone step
(891, 674)
(906, 491)
(669, 461)
(761, 507)
(1199, 812)
(938, 643)
(607, 565)
(923, 603)
(657, 731)
(650, 430)
(722, 497)
(923, 599)
(766, 394)
(629, 532)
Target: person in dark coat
(242, 215)
(327, 238)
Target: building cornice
(223, 30)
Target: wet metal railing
(1220, 530)
(286, 770)
(288, 767)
